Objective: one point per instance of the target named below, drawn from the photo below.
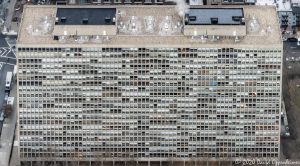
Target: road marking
(9, 64)
(13, 51)
(4, 51)
(10, 57)
(293, 47)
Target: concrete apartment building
(144, 85)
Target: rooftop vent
(63, 19)
(192, 18)
(85, 21)
(56, 20)
(107, 19)
(243, 21)
(214, 20)
(236, 18)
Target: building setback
(112, 84)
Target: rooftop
(295, 1)
(296, 9)
(158, 26)
(89, 16)
(219, 16)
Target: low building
(296, 11)
(285, 13)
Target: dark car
(15, 19)
(292, 40)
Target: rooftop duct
(253, 25)
(85, 21)
(149, 24)
(44, 27)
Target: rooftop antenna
(213, 38)
(65, 33)
(269, 29)
(195, 35)
(236, 39)
(203, 38)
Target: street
(291, 95)
(5, 66)
(7, 141)
(7, 62)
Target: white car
(2, 116)
(6, 96)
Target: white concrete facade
(82, 102)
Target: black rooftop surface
(215, 16)
(85, 16)
(296, 10)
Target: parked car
(6, 97)
(2, 117)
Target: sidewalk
(11, 26)
(6, 140)
(15, 158)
